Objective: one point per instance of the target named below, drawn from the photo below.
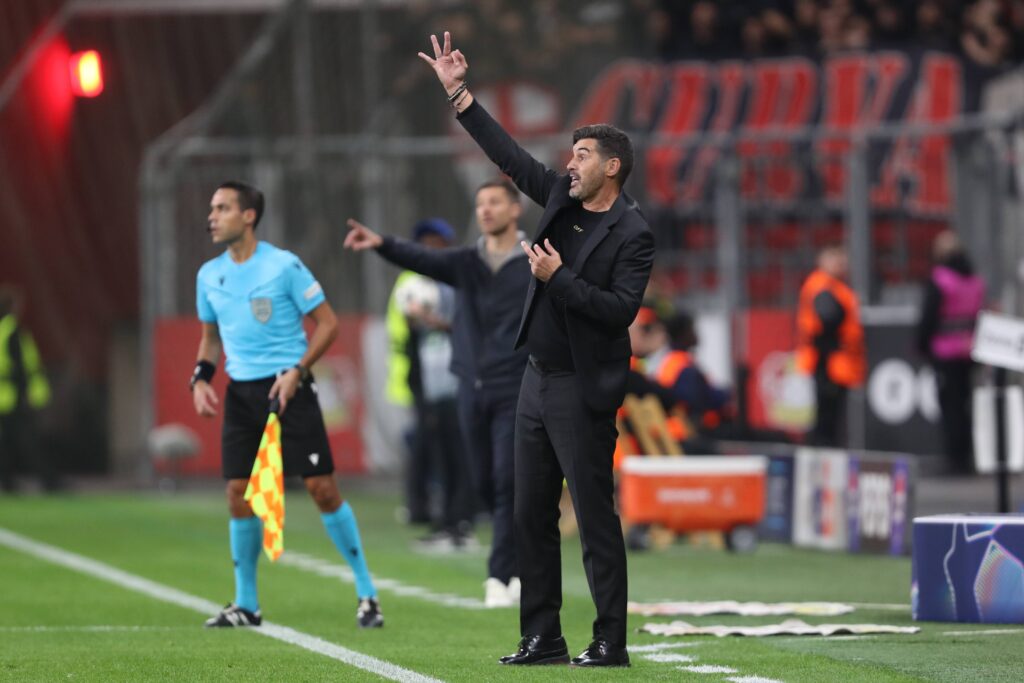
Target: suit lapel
(559, 200)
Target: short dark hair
(248, 197)
(503, 183)
(612, 143)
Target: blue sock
(342, 528)
(246, 541)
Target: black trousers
(487, 415)
(558, 436)
(830, 412)
(955, 390)
(440, 453)
(20, 449)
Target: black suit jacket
(602, 288)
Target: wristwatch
(303, 372)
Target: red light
(86, 73)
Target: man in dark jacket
(591, 258)
(490, 280)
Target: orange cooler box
(696, 493)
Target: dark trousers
(439, 453)
(20, 450)
(953, 380)
(830, 412)
(558, 436)
(487, 415)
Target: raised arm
(438, 264)
(532, 177)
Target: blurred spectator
(753, 37)
(419, 375)
(890, 20)
(704, 37)
(805, 25)
(953, 297)
(934, 26)
(663, 345)
(985, 38)
(856, 33)
(24, 391)
(780, 32)
(831, 343)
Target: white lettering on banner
(896, 391)
(891, 391)
(875, 505)
(684, 496)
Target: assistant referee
(251, 301)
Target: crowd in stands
(988, 32)
(541, 34)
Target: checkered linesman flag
(265, 491)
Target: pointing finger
(427, 59)
(437, 46)
(526, 248)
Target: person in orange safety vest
(663, 346)
(830, 343)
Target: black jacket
(487, 307)
(602, 288)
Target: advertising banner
(777, 524)
(902, 412)
(819, 511)
(878, 505)
(968, 568)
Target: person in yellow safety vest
(24, 390)
(404, 382)
(397, 388)
(830, 343)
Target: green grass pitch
(60, 625)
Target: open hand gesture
(449, 65)
(360, 237)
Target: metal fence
(739, 228)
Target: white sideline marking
(321, 567)
(895, 607)
(670, 658)
(82, 629)
(787, 639)
(708, 669)
(751, 679)
(987, 632)
(173, 596)
(658, 647)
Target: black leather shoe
(539, 650)
(602, 653)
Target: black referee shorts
(305, 450)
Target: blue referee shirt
(258, 307)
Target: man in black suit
(590, 260)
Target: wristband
(303, 372)
(458, 91)
(204, 371)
